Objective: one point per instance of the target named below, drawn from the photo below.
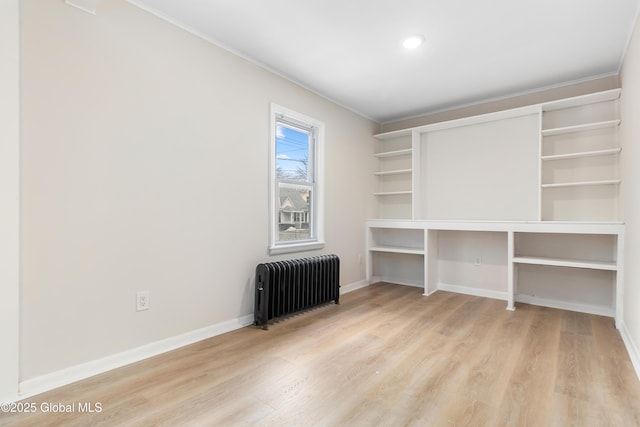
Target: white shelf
(396, 172)
(393, 134)
(582, 183)
(397, 250)
(396, 153)
(392, 193)
(608, 152)
(558, 262)
(577, 101)
(580, 128)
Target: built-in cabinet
(520, 205)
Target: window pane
(292, 154)
(293, 213)
(295, 160)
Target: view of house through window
(296, 196)
(295, 180)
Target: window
(296, 159)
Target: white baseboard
(564, 305)
(477, 292)
(344, 289)
(70, 375)
(632, 348)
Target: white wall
(9, 198)
(630, 137)
(470, 183)
(473, 262)
(145, 167)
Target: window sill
(295, 247)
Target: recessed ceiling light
(413, 42)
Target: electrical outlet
(142, 300)
(478, 261)
(359, 258)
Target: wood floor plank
(529, 395)
(577, 323)
(385, 356)
(494, 359)
(607, 339)
(576, 360)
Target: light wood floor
(386, 356)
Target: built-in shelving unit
(579, 148)
(396, 254)
(573, 266)
(394, 192)
(397, 240)
(579, 271)
(537, 221)
(575, 141)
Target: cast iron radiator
(286, 287)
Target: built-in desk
(570, 265)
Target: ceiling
(350, 51)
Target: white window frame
(316, 208)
